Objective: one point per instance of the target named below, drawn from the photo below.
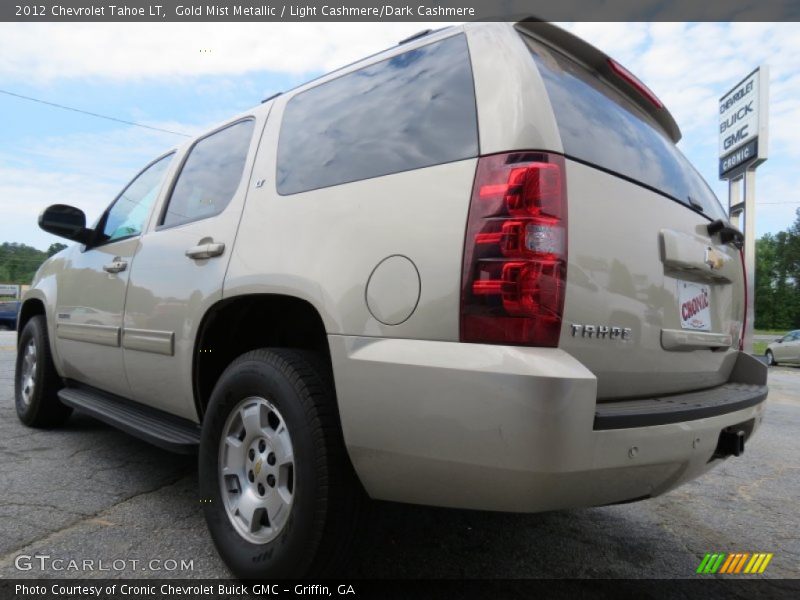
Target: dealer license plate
(694, 305)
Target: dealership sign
(743, 124)
(9, 290)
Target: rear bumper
(511, 428)
(746, 387)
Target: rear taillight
(746, 300)
(515, 252)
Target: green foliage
(18, 262)
(55, 249)
(777, 302)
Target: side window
(416, 109)
(210, 176)
(128, 213)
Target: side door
(91, 289)
(181, 264)
(783, 351)
(793, 347)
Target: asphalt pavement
(87, 492)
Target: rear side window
(210, 176)
(600, 126)
(413, 110)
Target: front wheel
(770, 359)
(36, 382)
(279, 493)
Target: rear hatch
(654, 301)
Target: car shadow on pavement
(404, 541)
(79, 422)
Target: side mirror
(779, 340)
(65, 221)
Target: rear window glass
(416, 109)
(600, 126)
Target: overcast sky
(184, 77)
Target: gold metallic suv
(471, 271)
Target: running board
(149, 424)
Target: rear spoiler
(598, 61)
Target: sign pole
(735, 204)
(750, 254)
(743, 130)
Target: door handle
(209, 250)
(115, 266)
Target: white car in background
(785, 349)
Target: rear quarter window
(211, 175)
(600, 126)
(413, 110)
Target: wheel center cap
(257, 468)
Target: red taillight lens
(515, 253)
(634, 81)
(746, 300)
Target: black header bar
(704, 587)
(395, 10)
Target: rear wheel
(770, 358)
(36, 382)
(280, 496)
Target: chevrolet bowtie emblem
(714, 258)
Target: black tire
(326, 493)
(771, 359)
(39, 406)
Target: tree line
(777, 290)
(777, 301)
(19, 262)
